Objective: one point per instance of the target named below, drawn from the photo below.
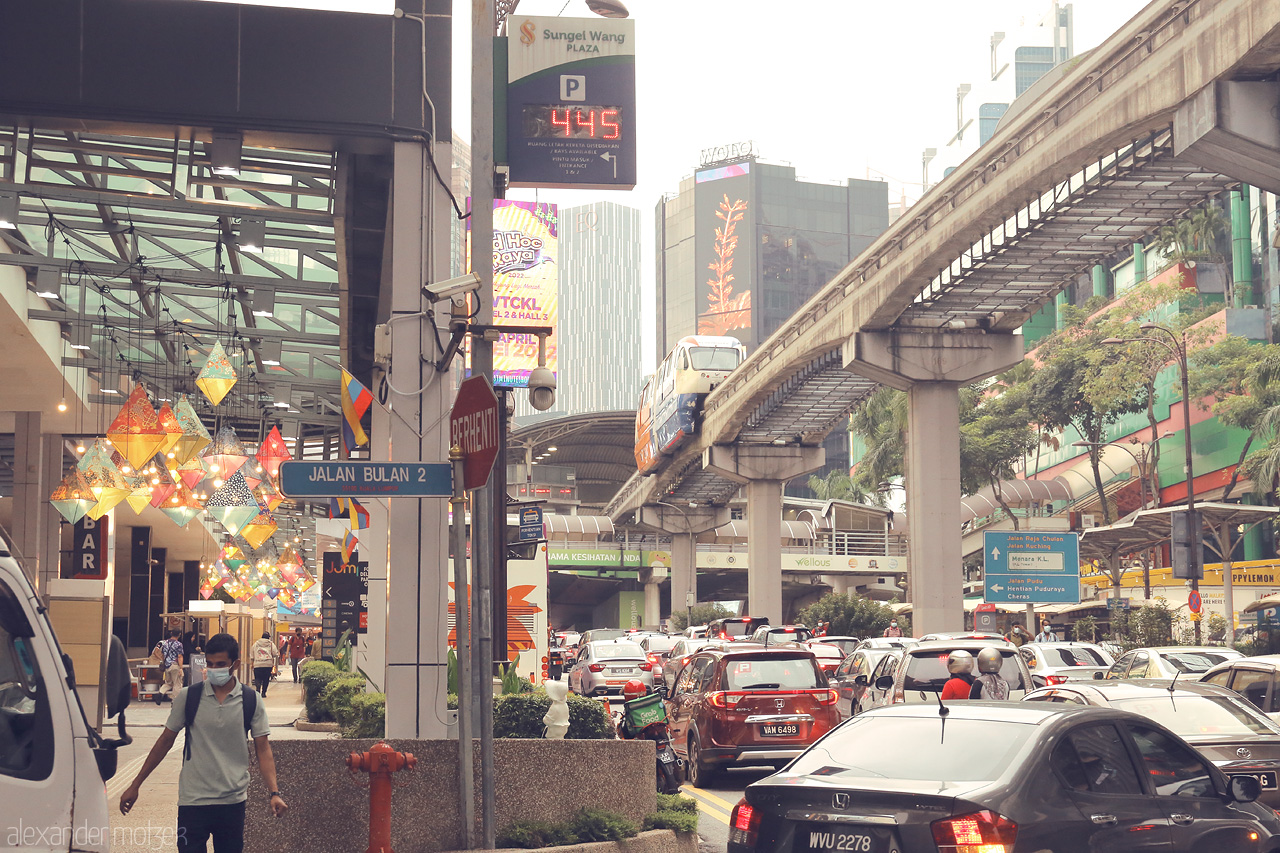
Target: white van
(53, 765)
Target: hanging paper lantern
(217, 377)
(164, 489)
(190, 473)
(226, 456)
(73, 497)
(195, 437)
(273, 452)
(172, 429)
(136, 431)
(268, 495)
(182, 506)
(106, 483)
(233, 504)
(259, 530)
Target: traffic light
(1186, 539)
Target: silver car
(1056, 663)
(605, 667)
(1169, 661)
(1257, 679)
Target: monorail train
(670, 407)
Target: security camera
(452, 288)
(542, 388)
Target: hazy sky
(837, 88)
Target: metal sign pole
(462, 632)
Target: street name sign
(366, 479)
(473, 426)
(1031, 567)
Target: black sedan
(1001, 777)
(1227, 730)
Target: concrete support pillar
(764, 549)
(684, 524)
(839, 583)
(1100, 287)
(931, 367)
(50, 549)
(1241, 248)
(1139, 262)
(1059, 303)
(417, 542)
(652, 603)
(28, 500)
(933, 502)
(764, 469)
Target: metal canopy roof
(1151, 527)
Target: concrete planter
(535, 779)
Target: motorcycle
(667, 772)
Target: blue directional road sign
(530, 523)
(366, 479)
(1031, 567)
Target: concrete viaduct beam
(684, 524)
(1233, 128)
(764, 470)
(931, 367)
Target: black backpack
(248, 697)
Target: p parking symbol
(573, 87)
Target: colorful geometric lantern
(163, 490)
(217, 377)
(73, 497)
(136, 431)
(172, 429)
(259, 530)
(194, 436)
(225, 456)
(182, 506)
(233, 504)
(105, 481)
(273, 452)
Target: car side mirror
(861, 680)
(1098, 676)
(884, 682)
(1244, 789)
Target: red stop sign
(474, 426)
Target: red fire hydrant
(380, 762)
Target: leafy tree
(702, 614)
(881, 422)
(850, 615)
(994, 436)
(837, 485)
(1243, 381)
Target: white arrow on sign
(607, 157)
(995, 587)
(995, 553)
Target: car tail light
(646, 667)
(721, 699)
(826, 697)
(1055, 679)
(979, 832)
(744, 824)
(596, 667)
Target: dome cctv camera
(542, 388)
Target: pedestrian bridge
(1175, 107)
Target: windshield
(927, 671)
(892, 747)
(775, 672)
(734, 629)
(606, 634)
(1193, 716)
(619, 650)
(1073, 656)
(659, 644)
(795, 636)
(846, 646)
(1195, 661)
(714, 358)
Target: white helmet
(959, 662)
(990, 660)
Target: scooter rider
(633, 689)
(990, 684)
(959, 685)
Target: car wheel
(700, 775)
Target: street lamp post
(1143, 473)
(1177, 346)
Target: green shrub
(316, 675)
(451, 702)
(519, 715)
(366, 716)
(677, 803)
(600, 825)
(337, 695)
(531, 834)
(679, 821)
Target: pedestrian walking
(297, 650)
(266, 657)
(1018, 635)
(171, 661)
(214, 783)
(1046, 634)
(893, 630)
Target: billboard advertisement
(571, 102)
(526, 267)
(724, 222)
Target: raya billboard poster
(725, 251)
(526, 266)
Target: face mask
(218, 677)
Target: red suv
(735, 627)
(749, 707)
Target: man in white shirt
(1046, 634)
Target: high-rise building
(744, 244)
(460, 185)
(598, 334)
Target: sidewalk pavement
(151, 824)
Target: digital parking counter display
(571, 94)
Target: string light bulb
(62, 404)
(80, 447)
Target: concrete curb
(653, 841)
(304, 726)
